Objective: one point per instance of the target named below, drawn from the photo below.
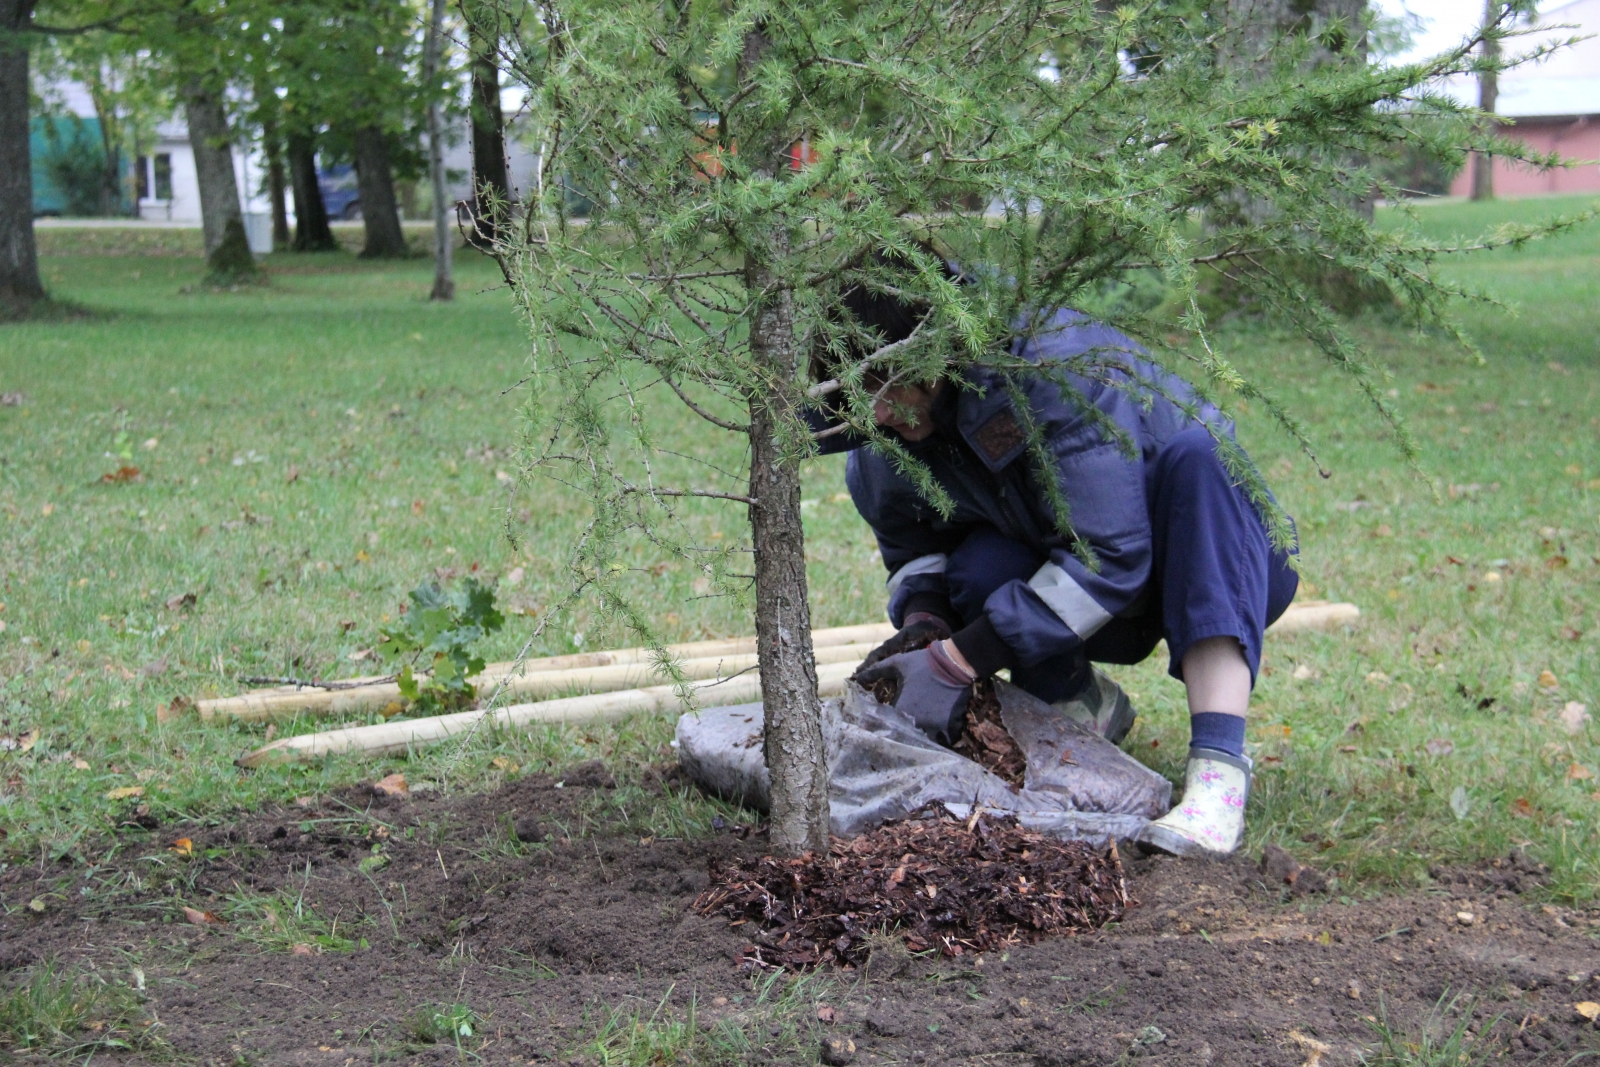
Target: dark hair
(889, 316)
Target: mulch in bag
(1074, 784)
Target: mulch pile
(957, 886)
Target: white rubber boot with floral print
(1209, 820)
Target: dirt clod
(1278, 867)
(838, 1051)
(946, 884)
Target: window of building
(163, 171)
(141, 171)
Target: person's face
(906, 409)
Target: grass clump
(70, 1012)
(286, 923)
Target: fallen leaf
(1460, 802)
(181, 601)
(1574, 717)
(302, 950)
(1548, 679)
(1439, 746)
(123, 792)
(202, 918)
(362, 557)
(80, 764)
(1377, 678)
(391, 709)
(37, 905)
(825, 1013)
(123, 473)
(393, 785)
(47, 510)
(1522, 807)
(1304, 672)
(1568, 633)
(1577, 772)
(1588, 1009)
(293, 476)
(514, 576)
(183, 846)
(501, 763)
(360, 654)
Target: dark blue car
(341, 194)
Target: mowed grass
(311, 450)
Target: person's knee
(985, 561)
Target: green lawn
(311, 450)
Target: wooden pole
(288, 700)
(604, 707)
(597, 707)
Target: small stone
(1353, 990)
(838, 1051)
(529, 831)
(1466, 918)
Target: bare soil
(485, 900)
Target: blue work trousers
(1214, 573)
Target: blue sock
(1214, 730)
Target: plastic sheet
(1078, 785)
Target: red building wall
(1573, 138)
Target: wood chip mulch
(984, 739)
(955, 886)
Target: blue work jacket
(979, 455)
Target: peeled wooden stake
(596, 671)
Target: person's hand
(933, 688)
(921, 630)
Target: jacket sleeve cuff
(931, 602)
(983, 647)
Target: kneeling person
(1178, 552)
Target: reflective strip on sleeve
(933, 564)
(1068, 599)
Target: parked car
(341, 194)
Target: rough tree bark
(1488, 99)
(796, 757)
(444, 286)
(210, 139)
(490, 182)
(792, 717)
(311, 230)
(19, 258)
(380, 214)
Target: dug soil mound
(523, 927)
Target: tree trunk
(272, 148)
(209, 137)
(311, 230)
(444, 286)
(380, 215)
(1488, 100)
(490, 184)
(19, 258)
(796, 758)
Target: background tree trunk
(444, 286)
(272, 148)
(210, 138)
(795, 755)
(490, 184)
(380, 215)
(1488, 99)
(311, 230)
(19, 257)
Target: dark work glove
(934, 689)
(921, 630)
